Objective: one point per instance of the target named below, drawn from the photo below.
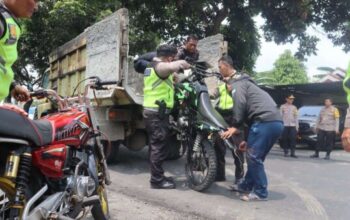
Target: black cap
(166, 50)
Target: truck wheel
(174, 147)
(112, 153)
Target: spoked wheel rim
(103, 200)
(7, 193)
(198, 166)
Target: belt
(167, 110)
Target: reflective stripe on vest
(225, 101)
(156, 88)
(346, 85)
(8, 52)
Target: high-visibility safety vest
(156, 88)
(346, 85)
(8, 51)
(225, 101)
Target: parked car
(307, 124)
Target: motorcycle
(198, 124)
(55, 167)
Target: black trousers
(158, 132)
(325, 140)
(288, 139)
(220, 149)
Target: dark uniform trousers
(325, 140)
(220, 149)
(158, 132)
(288, 139)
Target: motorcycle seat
(207, 111)
(15, 125)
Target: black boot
(315, 155)
(166, 183)
(327, 157)
(292, 154)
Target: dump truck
(102, 50)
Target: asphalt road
(302, 188)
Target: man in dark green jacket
(256, 108)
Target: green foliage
(287, 70)
(154, 21)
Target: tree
(287, 70)
(153, 21)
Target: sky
(327, 54)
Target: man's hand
(229, 133)
(243, 146)
(345, 139)
(14, 108)
(20, 93)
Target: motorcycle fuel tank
(69, 126)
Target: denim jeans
(261, 138)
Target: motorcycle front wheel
(201, 166)
(101, 210)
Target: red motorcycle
(54, 167)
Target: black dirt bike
(198, 124)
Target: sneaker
(165, 184)
(252, 197)
(327, 157)
(293, 155)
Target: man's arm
(142, 62)
(337, 116)
(318, 119)
(296, 117)
(239, 93)
(164, 69)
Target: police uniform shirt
(328, 119)
(290, 115)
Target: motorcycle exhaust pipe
(32, 201)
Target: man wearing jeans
(256, 108)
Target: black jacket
(251, 103)
(141, 63)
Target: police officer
(10, 32)
(327, 127)
(290, 120)
(224, 107)
(158, 102)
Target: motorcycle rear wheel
(201, 168)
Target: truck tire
(112, 154)
(173, 148)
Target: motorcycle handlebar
(64, 102)
(105, 83)
(38, 93)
